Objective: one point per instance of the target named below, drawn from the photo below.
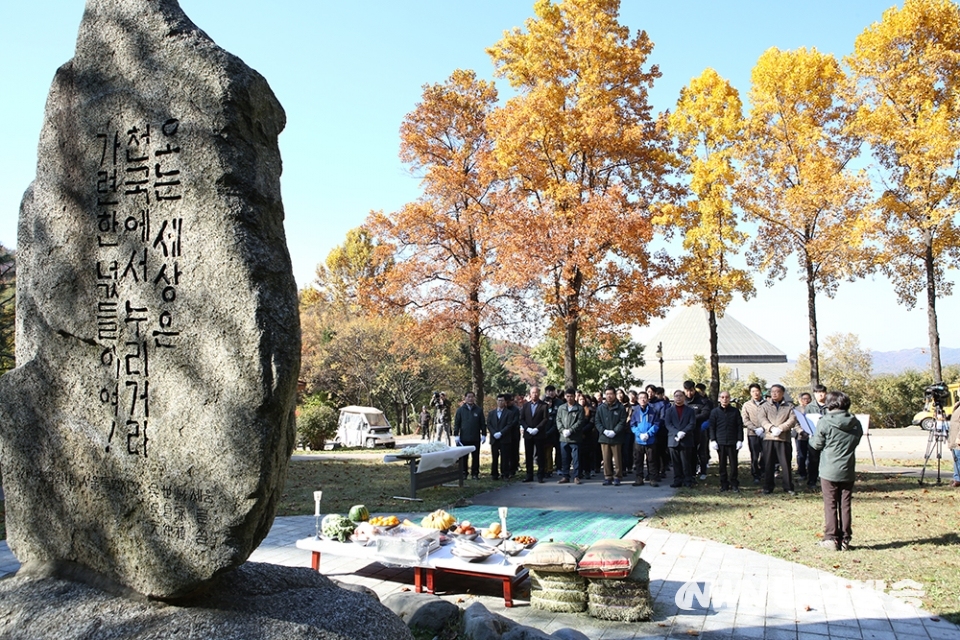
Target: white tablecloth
(437, 459)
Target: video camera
(938, 393)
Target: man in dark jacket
(726, 438)
(681, 432)
(611, 423)
(469, 430)
(502, 425)
(534, 422)
(701, 407)
(570, 421)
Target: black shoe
(495, 478)
(844, 545)
(607, 483)
(528, 480)
(767, 492)
(540, 480)
(675, 485)
(756, 481)
(724, 489)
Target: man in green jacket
(570, 420)
(611, 423)
(837, 436)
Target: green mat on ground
(563, 526)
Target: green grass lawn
(901, 530)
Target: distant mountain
(899, 361)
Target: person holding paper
(838, 434)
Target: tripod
(938, 435)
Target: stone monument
(147, 427)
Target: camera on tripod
(938, 393)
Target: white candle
(316, 499)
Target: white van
(364, 427)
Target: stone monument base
(256, 600)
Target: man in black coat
(678, 419)
(726, 438)
(535, 422)
(470, 430)
(502, 425)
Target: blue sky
(348, 72)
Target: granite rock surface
(146, 431)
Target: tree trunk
(932, 329)
(714, 356)
(814, 353)
(476, 363)
(570, 353)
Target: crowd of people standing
(616, 434)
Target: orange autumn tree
(708, 125)
(907, 68)
(445, 268)
(796, 181)
(583, 158)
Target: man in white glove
(534, 418)
(726, 437)
(501, 423)
(611, 422)
(644, 424)
(570, 420)
(779, 420)
(680, 420)
(469, 428)
(752, 414)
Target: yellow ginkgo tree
(797, 182)
(707, 125)
(583, 157)
(907, 68)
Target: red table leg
(315, 561)
(430, 573)
(508, 592)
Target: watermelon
(359, 513)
